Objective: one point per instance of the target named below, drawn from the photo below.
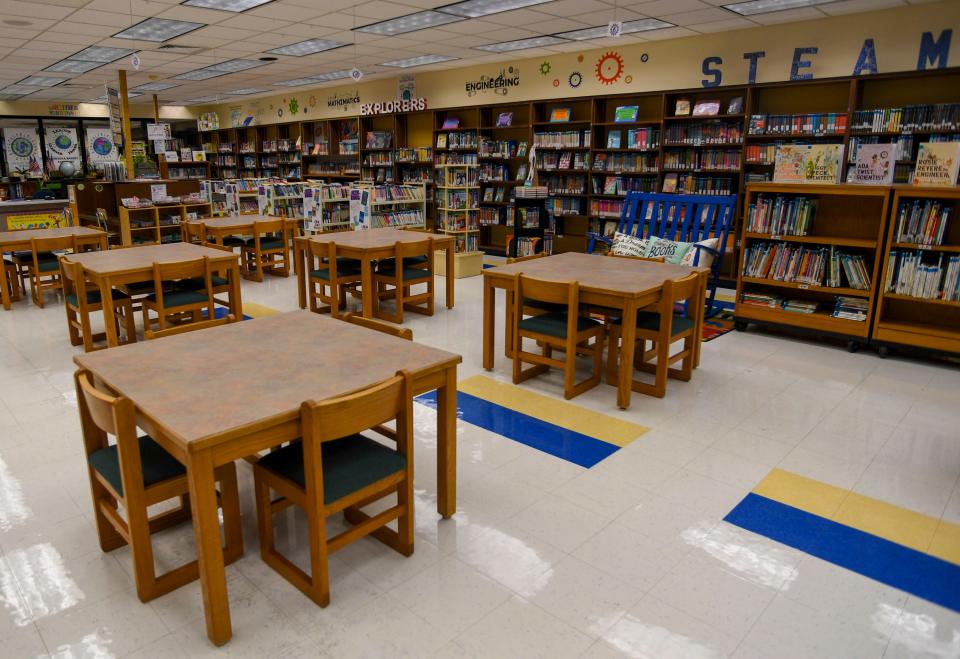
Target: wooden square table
(605, 281)
(367, 246)
(134, 264)
(196, 395)
(13, 241)
(220, 227)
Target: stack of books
(851, 308)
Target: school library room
(490, 328)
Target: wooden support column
(125, 122)
(156, 109)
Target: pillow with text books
(681, 253)
(626, 245)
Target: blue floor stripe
(919, 574)
(223, 312)
(566, 444)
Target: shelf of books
(811, 256)
(222, 196)
(330, 149)
(247, 192)
(531, 229)
(281, 199)
(376, 153)
(397, 206)
(326, 207)
(919, 304)
(457, 215)
(503, 153)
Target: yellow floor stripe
(566, 415)
(924, 533)
(255, 310)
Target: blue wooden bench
(686, 218)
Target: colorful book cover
(937, 164)
(670, 183)
(875, 164)
(613, 139)
(626, 114)
(822, 164)
(561, 115)
(789, 163)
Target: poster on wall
(407, 87)
(100, 145)
(63, 150)
(22, 147)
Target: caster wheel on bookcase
(883, 351)
(853, 346)
(740, 325)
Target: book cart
(845, 228)
(457, 194)
(911, 310)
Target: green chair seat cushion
(324, 274)
(266, 242)
(196, 283)
(179, 298)
(234, 241)
(349, 464)
(345, 262)
(48, 266)
(408, 273)
(650, 320)
(408, 261)
(26, 256)
(93, 297)
(555, 324)
(155, 463)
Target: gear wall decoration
(293, 106)
(544, 68)
(556, 82)
(609, 68)
(575, 79)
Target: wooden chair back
(38, 245)
(530, 257)
(529, 288)
(183, 270)
(74, 282)
(405, 250)
(379, 326)
(358, 411)
(264, 227)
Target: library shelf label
(500, 84)
(392, 107)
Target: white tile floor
(544, 558)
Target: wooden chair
(336, 469)
(663, 327)
(181, 307)
(267, 250)
(325, 271)
(44, 268)
(135, 473)
(370, 323)
(391, 282)
(532, 309)
(220, 280)
(80, 301)
(564, 330)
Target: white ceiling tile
(380, 10)
(697, 16)
(788, 16)
(722, 26)
(341, 21)
(90, 29)
(596, 18)
(33, 10)
(852, 6)
(258, 23)
(573, 7)
(113, 19)
(287, 12)
(669, 33)
(660, 8)
(193, 14)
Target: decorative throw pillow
(627, 245)
(706, 257)
(671, 251)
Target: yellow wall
(88, 110)
(648, 66)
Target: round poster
(102, 146)
(63, 142)
(22, 147)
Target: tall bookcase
(503, 150)
(330, 149)
(904, 318)
(457, 194)
(377, 143)
(848, 219)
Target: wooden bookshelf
(849, 218)
(500, 166)
(377, 146)
(904, 320)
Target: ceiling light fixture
(226, 5)
(154, 87)
(478, 8)
(4, 96)
(104, 54)
(320, 77)
(419, 61)
(766, 6)
(221, 69)
(245, 91)
(203, 99)
(410, 23)
(295, 82)
(41, 81)
(73, 66)
(642, 25)
(158, 29)
(308, 47)
(521, 44)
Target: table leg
(489, 322)
(206, 528)
(368, 292)
(628, 343)
(236, 306)
(110, 326)
(701, 317)
(5, 293)
(298, 264)
(447, 444)
(450, 277)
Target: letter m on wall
(936, 52)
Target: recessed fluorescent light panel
(642, 25)
(103, 54)
(41, 81)
(73, 66)
(333, 75)
(4, 96)
(308, 47)
(226, 5)
(767, 6)
(410, 23)
(103, 99)
(200, 74)
(296, 82)
(419, 61)
(221, 69)
(245, 91)
(478, 8)
(312, 80)
(155, 87)
(158, 29)
(203, 99)
(19, 88)
(521, 44)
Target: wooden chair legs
(657, 361)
